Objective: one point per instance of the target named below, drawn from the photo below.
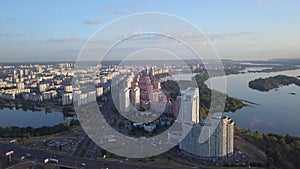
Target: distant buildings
(139, 88)
(32, 97)
(67, 98)
(48, 95)
(149, 127)
(20, 85)
(53, 83)
(42, 87)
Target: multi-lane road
(39, 156)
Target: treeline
(231, 104)
(283, 152)
(275, 82)
(20, 132)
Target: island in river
(266, 84)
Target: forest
(282, 151)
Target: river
(278, 111)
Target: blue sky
(52, 30)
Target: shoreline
(36, 108)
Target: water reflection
(22, 118)
(276, 111)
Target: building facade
(210, 138)
(188, 103)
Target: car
(13, 141)
(46, 160)
(53, 160)
(83, 164)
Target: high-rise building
(21, 73)
(210, 138)
(99, 91)
(175, 108)
(135, 97)
(68, 88)
(124, 100)
(26, 72)
(188, 103)
(83, 99)
(158, 101)
(91, 96)
(153, 96)
(227, 136)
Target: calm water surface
(278, 111)
(29, 118)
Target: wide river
(23, 118)
(278, 111)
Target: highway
(39, 156)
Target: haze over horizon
(35, 31)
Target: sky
(56, 30)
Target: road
(80, 146)
(40, 155)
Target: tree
(48, 109)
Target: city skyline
(51, 31)
(149, 84)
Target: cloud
(95, 21)
(116, 11)
(63, 40)
(190, 36)
(223, 36)
(186, 36)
